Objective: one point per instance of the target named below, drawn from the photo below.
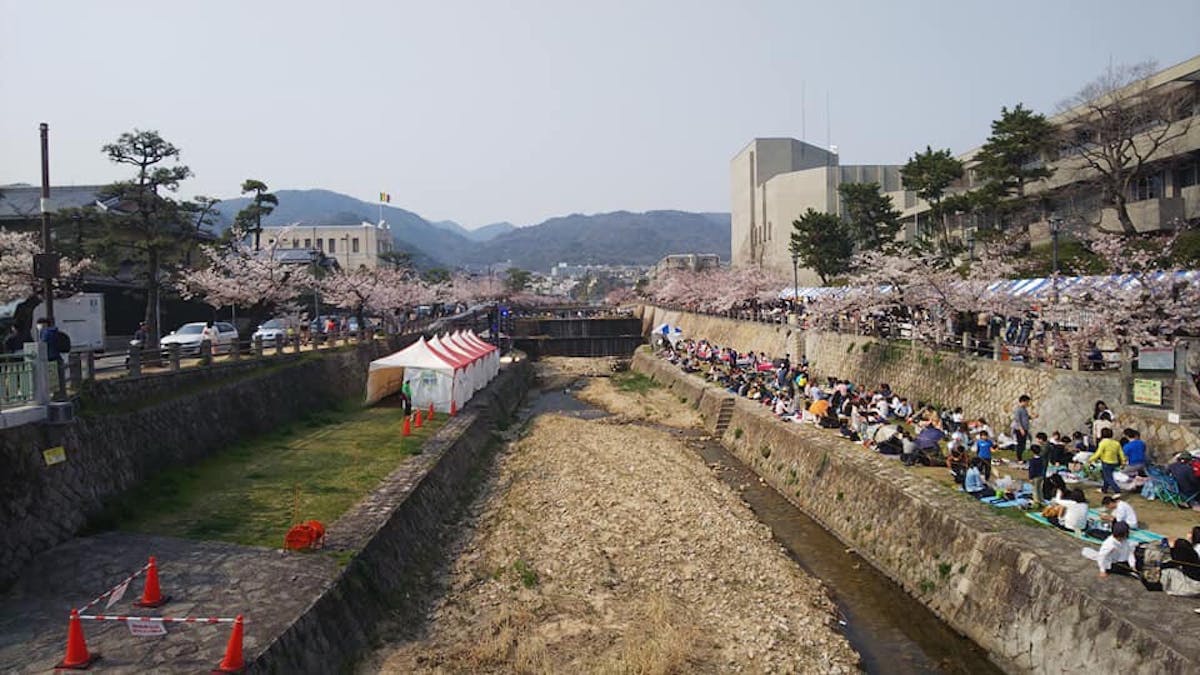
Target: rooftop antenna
(803, 113)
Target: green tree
(1013, 155)
(397, 258)
(436, 275)
(201, 212)
(823, 243)
(261, 204)
(145, 218)
(517, 280)
(872, 218)
(930, 174)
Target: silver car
(188, 337)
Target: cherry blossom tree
(16, 275)
(257, 281)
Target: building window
(1187, 176)
(308, 243)
(271, 242)
(320, 244)
(1149, 187)
(295, 243)
(354, 245)
(333, 245)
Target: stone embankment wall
(1021, 592)
(126, 431)
(394, 532)
(1063, 399)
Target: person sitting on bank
(1075, 511)
(1181, 572)
(1116, 553)
(958, 462)
(973, 482)
(1119, 511)
(1135, 452)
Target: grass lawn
(254, 491)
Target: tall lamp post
(795, 279)
(1055, 228)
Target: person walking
(13, 343)
(1021, 424)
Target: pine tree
(823, 243)
(870, 215)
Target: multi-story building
(353, 246)
(774, 180)
(1165, 194)
(692, 262)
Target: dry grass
(662, 644)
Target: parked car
(188, 336)
(272, 332)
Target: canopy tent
(493, 351)
(672, 333)
(463, 366)
(432, 378)
(475, 378)
(480, 355)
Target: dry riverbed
(602, 546)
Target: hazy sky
(488, 110)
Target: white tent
(479, 354)
(474, 373)
(432, 378)
(464, 377)
(493, 351)
(672, 333)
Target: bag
(62, 342)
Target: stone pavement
(203, 579)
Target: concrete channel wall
(1023, 593)
(126, 431)
(393, 533)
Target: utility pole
(49, 265)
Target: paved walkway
(204, 579)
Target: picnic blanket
(1136, 536)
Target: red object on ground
(453, 408)
(318, 530)
(77, 656)
(406, 430)
(233, 662)
(305, 536)
(417, 423)
(431, 410)
(152, 595)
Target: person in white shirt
(1115, 554)
(1075, 516)
(1119, 511)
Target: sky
(517, 110)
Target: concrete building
(774, 180)
(1167, 193)
(692, 262)
(353, 246)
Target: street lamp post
(795, 280)
(1055, 228)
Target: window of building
(1148, 187)
(333, 245)
(295, 243)
(320, 244)
(354, 245)
(271, 242)
(1187, 176)
(308, 243)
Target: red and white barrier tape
(160, 619)
(109, 592)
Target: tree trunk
(152, 295)
(1123, 215)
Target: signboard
(1147, 392)
(1156, 359)
(117, 594)
(141, 628)
(55, 455)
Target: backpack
(62, 342)
(1196, 467)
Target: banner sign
(1147, 392)
(1156, 359)
(139, 628)
(55, 455)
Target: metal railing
(17, 383)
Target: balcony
(1148, 215)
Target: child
(983, 451)
(1037, 472)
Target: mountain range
(619, 237)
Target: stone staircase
(724, 416)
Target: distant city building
(774, 180)
(568, 271)
(353, 246)
(692, 262)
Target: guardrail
(17, 383)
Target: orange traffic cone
(77, 656)
(417, 422)
(233, 661)
(406, 429)
(453, 408)
(151, 595)
(431, 410)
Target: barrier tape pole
(161, 619)
(105, 594)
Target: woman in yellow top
(1111, 456)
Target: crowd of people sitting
(1053, 467)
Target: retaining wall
(394, 532)
(1063, 399)
(1023, 593)
(127, 431)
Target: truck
(81, 317)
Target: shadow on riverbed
(891, 631)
